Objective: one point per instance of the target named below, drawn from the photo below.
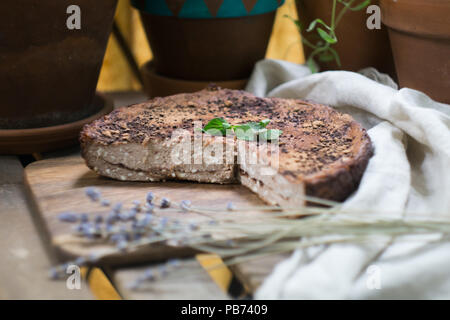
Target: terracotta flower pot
(420, 36)
(48, 72)
(358, 46)
(207, 40)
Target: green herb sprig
(250, 131)
(322, 40)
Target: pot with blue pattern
(207, 40)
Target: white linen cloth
(408, 175)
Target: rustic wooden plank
(252, 273)
(58, 185)
(189, 281)
(25, 264)
(197, 280)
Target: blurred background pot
(48, 72)
(358, 47)
(207, 40)
(158, 85)
(419, 31)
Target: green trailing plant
(320, 36)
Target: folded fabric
(409, 175)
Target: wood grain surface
(189, 281)
(252, 273)
(26, 262)
(58, 185)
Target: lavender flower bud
(230, 206)
(53, 273)
(98, 219)
(174, 263)
(149, 208)
(68, 217)
(149, 275)
(185, 205)
(117, 207)
(84, 218)
(93, 193)
(165, 203)
(150, 196)
(122, 245)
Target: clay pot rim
(174, 86)
(425, 29)
(149, 69)
(269, 6)
(207, 19)
(107, 106)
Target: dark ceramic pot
(49, 72)
(358, 46)
(202, 41)
(420, 36)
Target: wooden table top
(28, 257)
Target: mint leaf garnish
(217, 127)
(250, 131)
(270, 134)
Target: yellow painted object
(102, 289)
(116, 75)
(99, 284)
(213, 264)
(285, 42)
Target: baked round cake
(321, 152)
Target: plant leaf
(247, 135)
(313, 24)
(327, 37)
(264, 123)
(312, 65)
(270, 134)
(249, 131)
(357, 7)
(217, 126)
(296, 22)
(360, 6)
(326, 56)
(336, 56)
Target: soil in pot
(49, 72)
(358, 46)
(419, 31)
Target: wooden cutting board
(58, 185)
